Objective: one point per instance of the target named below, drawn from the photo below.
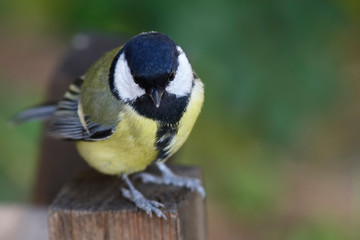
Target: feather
(70, 122)
(38, 113)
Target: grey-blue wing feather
(37, 113)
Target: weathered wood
(91, 207)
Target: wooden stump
(91, 207)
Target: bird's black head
(151, 69)
(152, 59)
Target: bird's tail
(37, 113)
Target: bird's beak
(156, 95)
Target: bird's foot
(149, 206)
(169, 178)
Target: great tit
(135, 106)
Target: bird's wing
(70, 122)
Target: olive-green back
(97, 100)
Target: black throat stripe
(165, 134)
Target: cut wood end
(92, 207)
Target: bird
(135, 106)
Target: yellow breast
(130, 149)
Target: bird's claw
(193, 184)
(149, 206)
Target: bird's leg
(170, 178)
(149, 206)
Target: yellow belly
(130, 149)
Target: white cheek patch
(182, 83)
(124, 83)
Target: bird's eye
(172, 76)
(136, 80)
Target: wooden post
(91, 207)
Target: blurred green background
(279, 134)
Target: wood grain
(91, 207)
